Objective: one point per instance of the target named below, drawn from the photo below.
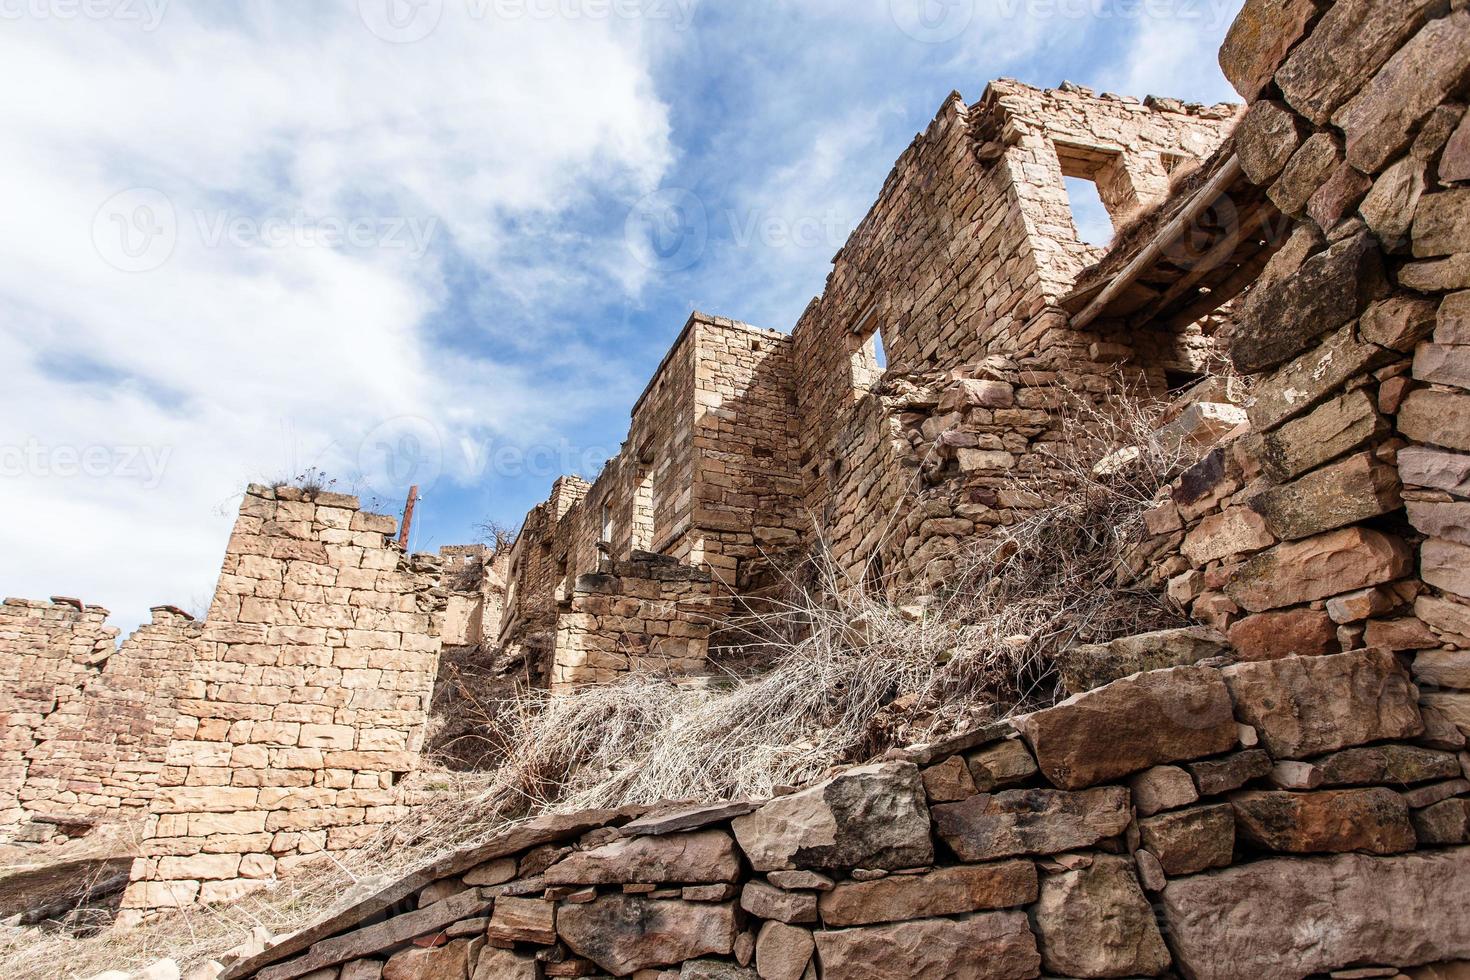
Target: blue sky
(434, 240)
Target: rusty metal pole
(413, 498)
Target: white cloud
(231, 358)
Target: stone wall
(649, 613)
(87, 722)
(306, 703)
(1268, 820)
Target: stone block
(1161, 788)
(993, 945)
(782, 952)
(1259, 39)
(1312, 378)
(1446, 565)
(1316, 568)
(1091, 666)
(769, 902)
(1233, 531)
(1441, 223)
(1215, 776)
(1400, 321)
(1373, 821)
(1361, 909)
(1293, 632)
(1443, 365)
(1355, 489)
(1339, 426)
(1189, 841)
(1268, 134)
(1436, 469)
(1031, 821)
(1308, 169)
(1395, 765)
(700, 857)
(1305, 706)
(1096, 922)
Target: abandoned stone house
(1315, 241)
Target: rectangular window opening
(869, 350)
(1089, 215)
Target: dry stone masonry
(1023, 849)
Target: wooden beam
(1210, 262)
(1218, 184)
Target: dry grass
(850, 674)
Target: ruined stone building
(1303, 745)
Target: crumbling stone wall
(649, 613)
(1271, 820)
(307, 701)
(87, 722)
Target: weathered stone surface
(1452, 320)
(1374, 821)
(624, 933)
(1355, 489)
(1031, 821)
(1435, 468)
(686, 818)
(1305, 706)
(448, 962)
(1003, 764)
(1442, 364)
(1440, 731)
(1338, 197)
(1215, 776)
(699, 857)
(1454, 163)
(1131, 724)
(1295, 632)
(1437, 275)
(1349, 44)
(1441, 223)
(1316, 568)
(870, 817)
(1307, 170)
(1354, 607)
(1388, 208)
(984, 946)
(1281, 319)
(1396, 765)
(1444, 823)
(1453, 706)
(1443, 615)
(1425, 796)
(1403, 633)
(782, 952)
(1091, 666)
(769, 902)
(1258, 40)
(1193, 840)
(1443, 668)
(715, 970)
(1161, 788)
(1381, 119)
(943, 891)
(1339, 426)
(1267, 136)
(505, 964)
(1233, 531)
(1319, 914)
(1446, 565)
(1400, 321)
(948, 781)
(523, 920)
(1316, 375)
(801, 881)
(1096, 922)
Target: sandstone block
(1446, 565)
(943, 891)
(504, 964)
(872, 817)
(1096, 922)
(1443, 615)
(523, 920)
(1267, 136)
(782, 952)
(449, 961)
(1258, 40)
(1435, 468)
(1349, 44)
(948, 781)
(1443, 364)
(1214, 776)
(1381, 119)
(1373, 821)
(1453, 706)
(1308, 169)
(984, 946)
(1388, 208)
(1091, 666)
(1355, 489)
(1441, 223)
(768, 902)
(1281, 320)
(626, 933)
(1396, 765)
(1294, 632)
(1361, 909)
(1003, 764)
(1161, 788)
(1452, 321)
(1305, 706)
(1189, 841)
(1031, 821)
(1339, 426)
(1131, 724)
(1316, 568)
(1233, 531)
(700, 857)
(1313, 377)
(1443, 824)
(1443, 668)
